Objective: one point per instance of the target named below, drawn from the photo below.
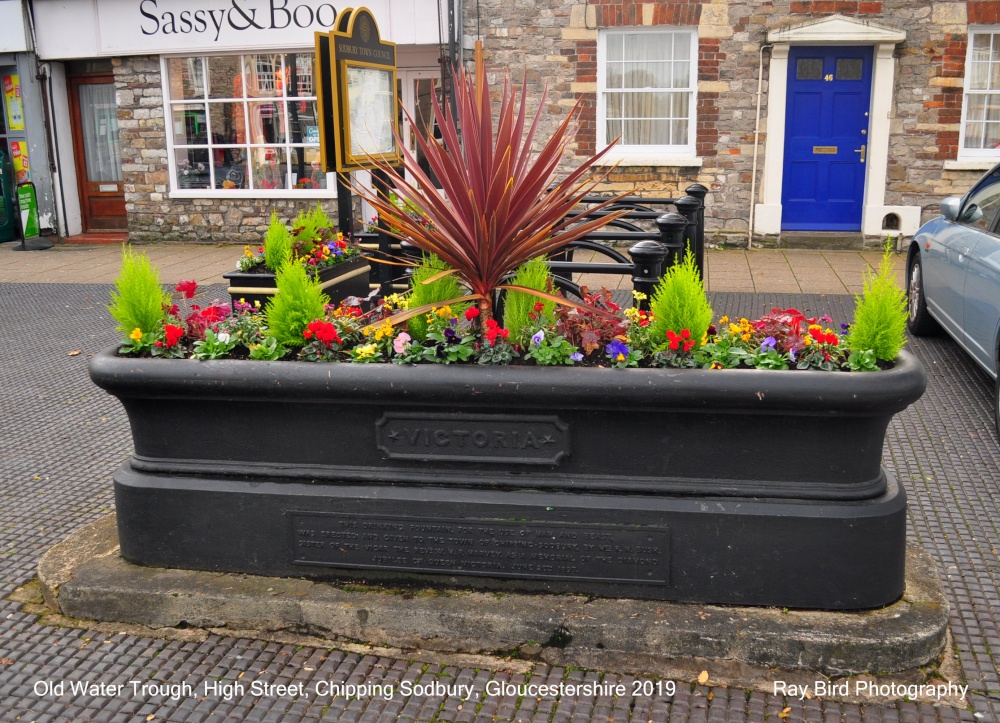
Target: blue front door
(826, 138)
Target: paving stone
(62, 437)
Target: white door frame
(834, 30)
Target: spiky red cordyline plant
(498, 206)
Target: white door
(416, 88)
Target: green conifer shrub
(518, 306)
(447, 287)
(277, 244)
(880, 313)
(298, 301)
(138, 301)
(679, 302)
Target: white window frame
(681, 154)
(974, 154)
(234, 193)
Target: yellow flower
(247, 252)
(639, 296)
(716, 365)
(723, 320)
(444, 312)
(366, 351)
(395, 301)
(734, 329)
(817, 327)
(383, 331)
(256, 303)
(807, 341)
(745, 337)
(620, 358)
(136, 334)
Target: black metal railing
(649, 252)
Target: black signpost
(356, 94)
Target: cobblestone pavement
(61, 438)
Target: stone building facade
(924, 46)
(710, 91)
(153, 216)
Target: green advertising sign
(28, 204)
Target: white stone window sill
(978, 164)
(652, 160)
(216, 194)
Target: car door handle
(863, 151)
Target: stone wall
(153, 216)
(553, 43)
(557, 41)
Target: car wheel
(919, 321)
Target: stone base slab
(83, 577)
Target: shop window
(647, 83)
(980, 135)
(243, 122)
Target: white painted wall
(13, 38)
(95, 28)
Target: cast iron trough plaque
(522, 439)
(491, 548)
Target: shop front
(24, 142)
(191, 121)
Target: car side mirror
(971, 214)
(950, 207)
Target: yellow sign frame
(355, 44)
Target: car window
(981, 205)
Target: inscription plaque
(523, 439)
(487, 548)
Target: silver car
(953, 275)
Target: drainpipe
(44, 80)
(52, 141)
(756, 137)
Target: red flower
(173, 334)
(187, 288)
(493, 330)
(323, 331)
(682, 340)
(214, 313)
(471, 313)
(539, 306)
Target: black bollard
(689, 206)
(700, 192)
(647, 268)
(672, 227)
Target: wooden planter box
(745, 487)
(348, 278)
